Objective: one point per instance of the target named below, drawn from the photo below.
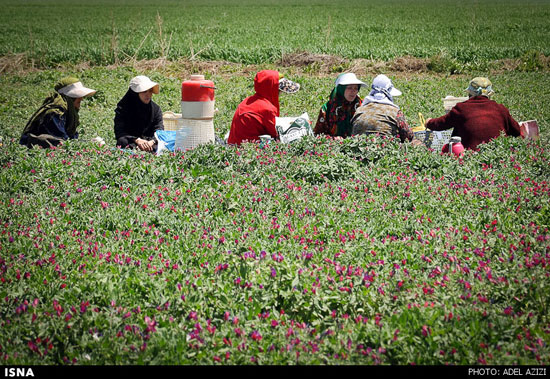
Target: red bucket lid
(197, 89)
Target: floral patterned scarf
(339, 112)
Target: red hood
(266, 85)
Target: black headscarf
(135, 118)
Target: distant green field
(104, 32)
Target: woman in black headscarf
(137, 117)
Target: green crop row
(467, 32)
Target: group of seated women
(345, 114)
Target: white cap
(382, 81)
(76, 90)
(142, 83)
(348, 78)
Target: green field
(103, 32)
(360, 251)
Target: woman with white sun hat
(138, 117)
(380, 115)
(336, 114)
(57, 119)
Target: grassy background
(102, 32)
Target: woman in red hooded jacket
(255, 115)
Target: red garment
(476, 120)
(256, 114)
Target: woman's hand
(145, 145)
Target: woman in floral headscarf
(336, 114)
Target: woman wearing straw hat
(138, 117)
(478, 119)
(380, 115)
(57, 119)
(336, 114)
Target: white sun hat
(385, 83)
(76, 90)
(348, 78)
(142, 83)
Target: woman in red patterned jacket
(478, 119)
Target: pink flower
(256, 336)
(426, 331)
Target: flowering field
(360, 251)
(356, 251)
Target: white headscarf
(382, 91)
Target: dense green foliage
(357, 251)
(103, 32)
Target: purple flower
(256, 336)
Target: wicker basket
(450, 101)
(171, 120)
(193, 133)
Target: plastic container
(197, 98)
(454, 146)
